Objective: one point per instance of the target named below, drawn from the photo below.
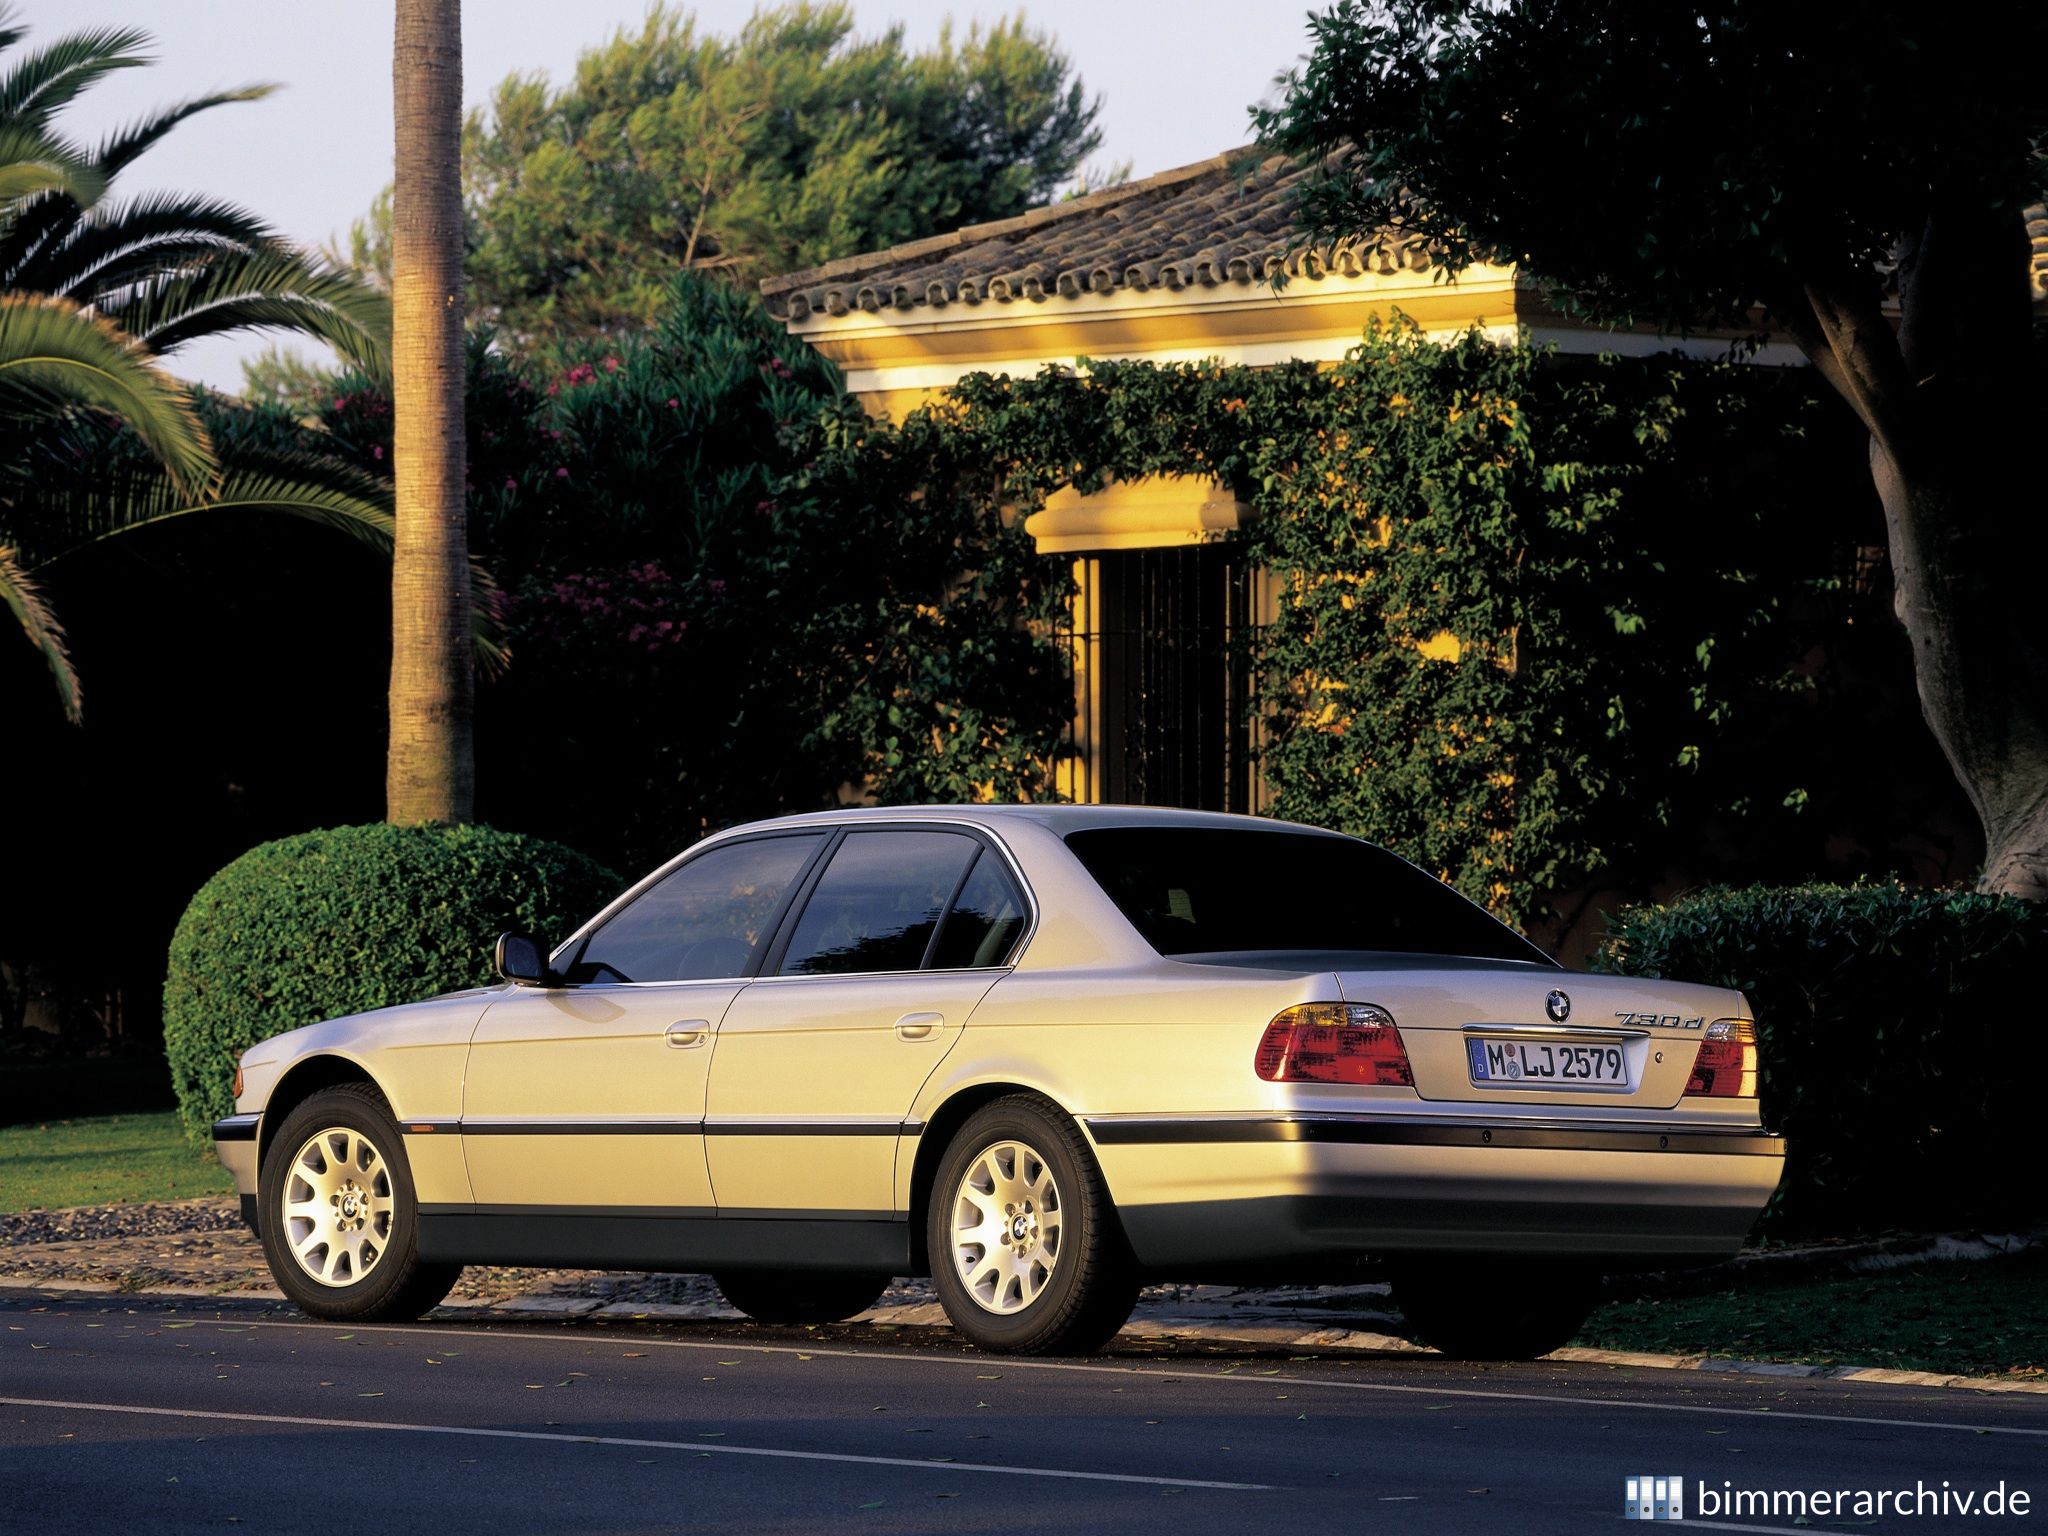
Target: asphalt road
(139, 1415)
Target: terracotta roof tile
(1229, 220)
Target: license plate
(1505, 1063)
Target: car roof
(1060, 819)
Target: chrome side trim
(540, 1126)
(1398, 1131)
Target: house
(1178, 267)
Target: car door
(821, 1057)
(590, 1096)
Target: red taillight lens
(1334, 1043)
(1726, 1065)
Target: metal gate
(1162, 660)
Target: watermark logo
(1653, 1498)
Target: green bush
(1895, 1026)
(339, 921)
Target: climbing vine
(1522, 605)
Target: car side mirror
(520, 960)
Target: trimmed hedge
(1897, 1028)
(352, 918)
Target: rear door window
(986, 921)
(878, 903)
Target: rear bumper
(1216, 1191)
(235, 1144)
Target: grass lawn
(103, 1160)
(1986, 1318)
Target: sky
(1176, 81)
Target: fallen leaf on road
(369, 1394)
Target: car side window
(702, 922)
(986, 920)
(877, 903)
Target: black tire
(800, 1296)
(1091, 1285)
(1483, 1307)
(392, 1285)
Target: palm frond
(54, 355)
(36, 165)
(24, 599)
(118, 244)
(277, 289)
(61, 521)
(120, 149)
(49, 79)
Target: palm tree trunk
(431, 770)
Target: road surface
(146, 1414)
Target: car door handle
(686, 1034)
(919, 1026)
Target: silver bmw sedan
(1043, 1054)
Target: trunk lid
(1448, 1011)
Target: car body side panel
(1214, 1168)
(552, 1071)
(813, 1080)
(415, 1054)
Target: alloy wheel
(338, 1207)
(1006, 1227)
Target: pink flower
(673, 402)
(511, 484)
(562, 474)
(377, 452)
(611, 365)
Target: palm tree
(165, 268)
(94, 292)
(54, 356)
(431, 771)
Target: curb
(1285, 1333)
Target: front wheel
(1493, 1308)
(340, 1219)
(797, 1296)
(1026, 1252)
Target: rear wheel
(1026, 1252)
(797, 1296)
(340, 1220)
(1481, 1308)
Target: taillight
(1726, 1065)
(1334, 1043)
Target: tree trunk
(1949, 394)
(1966, 573)
(431, 769)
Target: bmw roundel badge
(1558, 1006)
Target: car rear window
(1213, 890)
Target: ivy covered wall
(1542, 621)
